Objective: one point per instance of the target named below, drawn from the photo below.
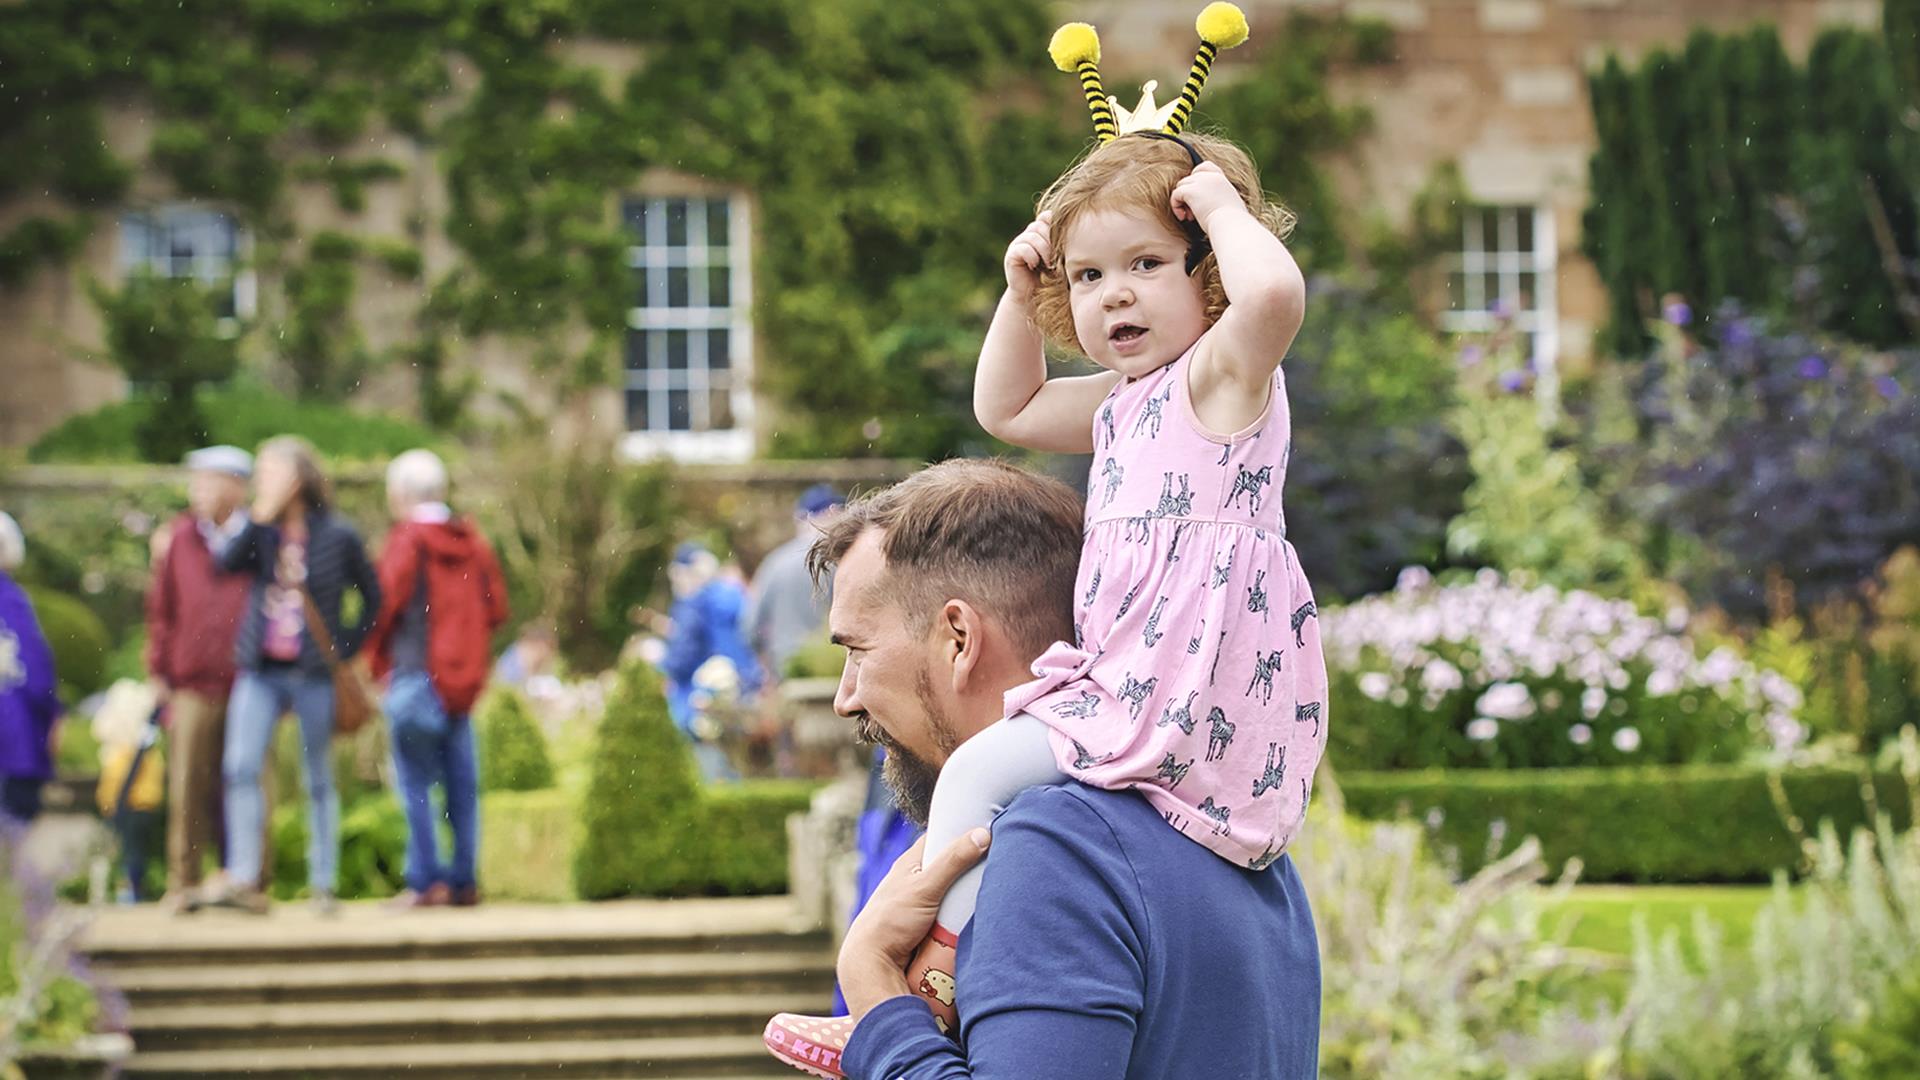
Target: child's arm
(1012, 397)
(1266, 300)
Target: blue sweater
(1107, 945)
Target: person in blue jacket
(881, 836)
(707, 621)
(29, 701)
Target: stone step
(144, 937)
(437, 1020)
(521, 977)
(684, 1058)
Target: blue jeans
(259, 699)
(432, 747)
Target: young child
(1197, 676)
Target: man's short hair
(419, 475)
(1001, 538)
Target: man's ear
(962, 640)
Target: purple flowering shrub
(1754, 451)
(1492, 673)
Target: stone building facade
(1495, 87)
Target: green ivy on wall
(890, 151)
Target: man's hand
(898, 917)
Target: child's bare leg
(979, 779)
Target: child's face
(1135, 310)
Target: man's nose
(845, 698)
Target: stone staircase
(670, 989)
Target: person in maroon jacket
(443, 596)
(193, 614)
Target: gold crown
(1145, 116)
(1076, 47)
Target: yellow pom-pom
(1074, 44)
(1222, 25)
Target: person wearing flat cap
(787, 608)
(193, 614)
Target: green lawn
(1603, 917)
(1604, 914)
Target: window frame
(170, 217)
(651, 258)
(1475, 259)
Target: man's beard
(912, 778)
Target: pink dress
(1197, 677)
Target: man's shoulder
(1109, 828)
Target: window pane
(678, 287)
(636, 351)
(679, 411)
(637, 415)
(1525, 223)
(719, 286)
(226, 238)
(676, 223)
(719, 350)
(1525, 298)
(719, 407)
(635, 213)
(1504, 240)
(1489, 290)
(716, 222)
(676, 350)
(135, 237)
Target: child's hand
(1029, 254)
(1204, 192)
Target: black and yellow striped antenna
(1221, 26)
(1076, 47)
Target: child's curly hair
(1131, 173)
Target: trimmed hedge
(527, 844)
(241, 414)
(1687, 823)
(78, 639)
(650, 828)
(513, 752)
(529, 841)
(745, 834)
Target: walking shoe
(180, 901)
(466, 896)
(324, 903)
(239, 898)
(436, 895)
(811, 1044)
